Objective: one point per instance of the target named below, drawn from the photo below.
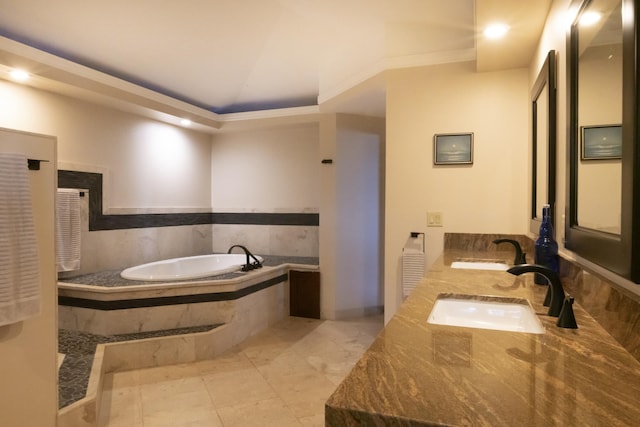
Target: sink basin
(485, 312)
(480, 265)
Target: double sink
(485, 312)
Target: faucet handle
(567, 318)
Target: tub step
(79, 348)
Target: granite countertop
(419, 374)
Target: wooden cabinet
(304, 294)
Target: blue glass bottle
(546, 250)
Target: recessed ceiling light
(185, 122)
(19, 75)
(589, 18)
(496, 30)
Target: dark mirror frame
(617, 253)
(546, 77)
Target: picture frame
(601, 142)
(453, 148)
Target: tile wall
(115, 242)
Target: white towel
(412, 270)
(19, 274)
(68, 230)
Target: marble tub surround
(150, 307)
(118, 249)
(112, 278)
(254, 313)
(289, 240)
(140, 235)
(419, 374)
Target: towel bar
(34, 164)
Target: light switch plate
(434, 219)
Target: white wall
(554, 38)
(149, 164)
(328, 241)
(351, 212)
(269, 170)
(28, 349)
(359, 202)
(490, 196)
(148, 167)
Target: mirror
(603, 106)
(543, 111)
(599, 180)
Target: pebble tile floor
(280, 377)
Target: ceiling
(238, 56)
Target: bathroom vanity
(418, 373)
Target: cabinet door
(304, 294)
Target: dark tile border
(171, 300)
(98, 221)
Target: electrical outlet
(434, 219)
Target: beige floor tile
(201, 417)
(287, 363)
(167, 373)
(232, 360)
(263, 348)
(234, 387)
(281, 377)
(263, 413)
(305, 394)
(337, 363)
(120, 406)
(186, 393)
(313, 421)
(294, 328)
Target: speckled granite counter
(419, 374)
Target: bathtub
(186, 268)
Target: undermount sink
(480, 265)
(485, 312)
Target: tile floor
(280, 377)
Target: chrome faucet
(249, 264)
(521, 257)
(555, 293)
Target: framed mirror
(603, 181)
(543, 137)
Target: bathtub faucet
(250, 265)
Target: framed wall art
(602, 142)
(453, 149)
